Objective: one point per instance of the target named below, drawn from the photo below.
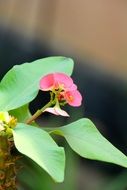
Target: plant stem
(38, 113)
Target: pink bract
(73, 98)
(63, 85)
(55, 81)
(47, 82)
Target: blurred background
(94, 34)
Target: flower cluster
(6, 121)
(64, 90)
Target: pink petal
(57, 111)
(47, 82)
(63, 80)
(57, 80)
(73, 87)
(73, 98)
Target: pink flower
(64, 90)
(55, 81)
(73, 98)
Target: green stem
(38, 113)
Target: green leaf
(41, 148)
(21, 114)
(32, 171)
(86, 140)
(21, 84)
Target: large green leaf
(86, 140)
(21, 84)
(41, 148)
(32, 171)
(21, 114)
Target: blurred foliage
(118, 183)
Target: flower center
(61, 97)
(7, 121)
(71, 98)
